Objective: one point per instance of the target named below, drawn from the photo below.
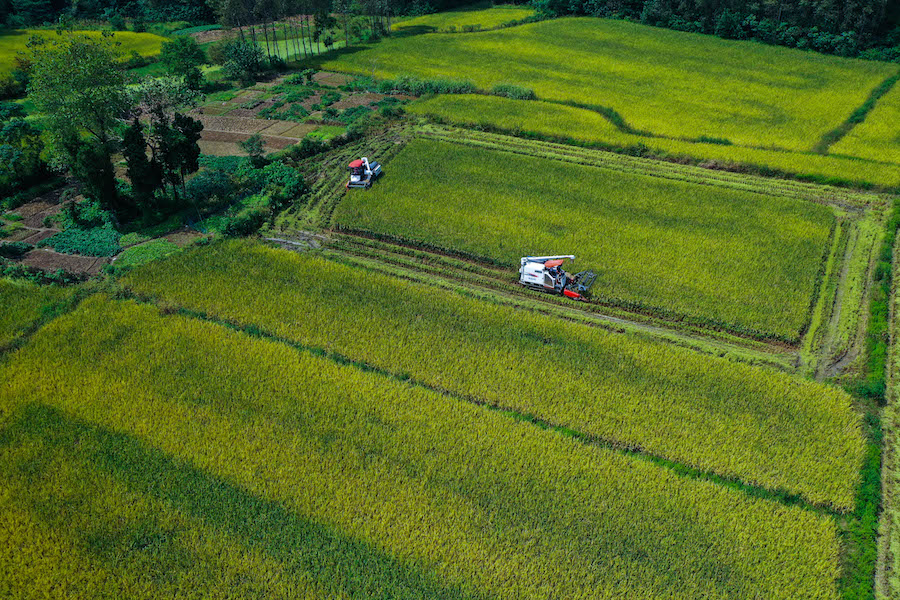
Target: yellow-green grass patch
(558, 121)
(732, 419)
(14, 41)
(182, 465)
(479, 18)
(666, 82)
(24, 304)
(878, 137)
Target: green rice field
(735, 258)
(878, 137)
(487, 17)
(561, 122)
(669, 83)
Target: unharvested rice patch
(232, 124)
(246, 96)
(330, 79)
(220, 148)
(299, 131)
(279, 128)
(246, 113)
(47, 260)
(20, 235)
(357, 100)
(183, 238)
(223, 143)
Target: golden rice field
(669, 83)
(761, 426)
(24, 304)
(878, 137)
(740, 260)
(13, 41)
(182, 466)
(559, 121)
(478, 18)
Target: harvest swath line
(781, 496)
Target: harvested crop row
(732, 260)
(759, 425)
(557, 121)
(183, 466)
(666, 82)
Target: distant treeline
(868, 28)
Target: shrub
(246, 222)
(14, 249)
(515, 92)
(210, 186)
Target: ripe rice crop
(182, 466)
(559, 121)
(14, 41)
(743, 261)
(23, 305)
(761, 426)
(484, 18)
(670, 83)
(878, 137)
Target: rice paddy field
(738, 259)
(364, 403)
(488, 17)
(13, 41)
(588, 127)
(668, 83)
(878, 137)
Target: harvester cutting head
(363, 173)
(545, 273)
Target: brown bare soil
(36, 236)
(357, 100)
(233, 124)
(47, 260)
(279, 128)
(183, 237)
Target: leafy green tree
(253, 146)
(77, 84)
(20, 149)
(182, 57)
(143, 172)
(243, 60)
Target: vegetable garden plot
(670, 83)
(183, 465)
(763, 427)
(742, 261)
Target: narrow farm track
(413, 262)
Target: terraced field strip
(451, 272)
(183, 466)
(757, 425)
(581, 126)
(711, 256)
(850, 200)
(657, 80)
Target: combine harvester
(545, 274)
(363, 173)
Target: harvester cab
(545, 274)
(363, 173)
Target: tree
(243, 60)
(20, 149)
(182, 57)
(77, 84)
(253, 146)
(143, 172)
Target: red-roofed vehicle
(363, 173)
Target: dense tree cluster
(849, 28)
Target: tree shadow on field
(307, 550)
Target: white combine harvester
(545, 274)
(363, 173)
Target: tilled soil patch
(47, 260)
(233, 124)
(332, 79)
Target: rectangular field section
(199, 458)
(757, 425)
(878, 137)
(669, 83)
(739, 260)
